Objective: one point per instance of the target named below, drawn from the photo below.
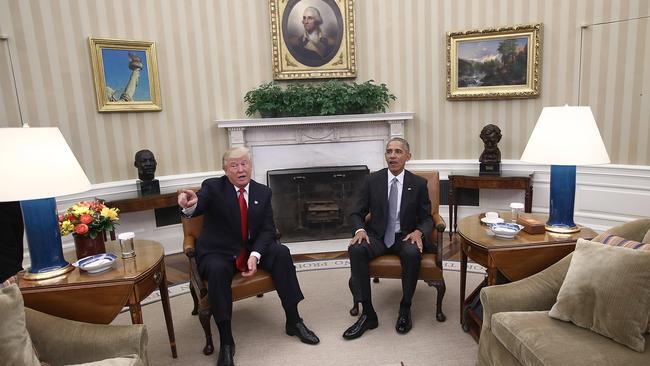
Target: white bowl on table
(96, 263)
(505, 230)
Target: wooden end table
(472, 179)
(515, 259)
(98, 298)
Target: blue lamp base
(563, 193)
(44, 239)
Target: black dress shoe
(226, 355)
(360, 326)
(404, 323)
(300, 329)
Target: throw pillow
(15, 343)
(622, 242)
(618, 241)
(607, 290)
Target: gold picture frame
(321, 46)
(126, 75)
(476, 68)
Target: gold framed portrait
(494, 63)
(125, 74)
(312, 39)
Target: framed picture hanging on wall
(312, 39)
(126, 75)
(494, 63)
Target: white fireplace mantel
(239, 136)
(295, 142)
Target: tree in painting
(493, 63)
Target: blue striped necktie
(389, 236)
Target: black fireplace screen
(315, 203)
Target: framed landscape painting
(125, 74)
(494, 63)
(312, 39)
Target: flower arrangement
(88, 218)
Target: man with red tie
(239, 235)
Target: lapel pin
(408, 189)
(255, 202)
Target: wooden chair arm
(189, 246)
(439, 222)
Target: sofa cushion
(131, 360)
(15, 344)
(646, 238)
(607, 290)
(536, 339)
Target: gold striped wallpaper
(211, 52)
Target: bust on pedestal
(146, 164)
(491, 156)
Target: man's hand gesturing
(187, 198)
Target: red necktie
(242, 258)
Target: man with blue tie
(400, 221)
(239, 235)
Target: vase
(86, 246)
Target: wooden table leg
(463, 279)
(491, 275)
(528, 203)
(136, 313)
(164, 298)
(451, 203)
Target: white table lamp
(564, 137)
(38, 165)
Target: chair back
(433, 184)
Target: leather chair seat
(259, 283)
(388, 266)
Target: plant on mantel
(317, 99)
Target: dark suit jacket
(415, 207)
(221, 232)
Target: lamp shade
(38, 163)
(566, 136)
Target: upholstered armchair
(517, 328)
(242, 287)
(29, 337)
(388, 266)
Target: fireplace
(315, 203)
(291, 143)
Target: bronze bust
(146, 163)
(491, 156)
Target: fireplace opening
(315, 203)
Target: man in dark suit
(400, 221)
(238, 235)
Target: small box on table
(531, 225)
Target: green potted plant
(313, 99)
(265, 99)
(371, 98)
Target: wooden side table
(515, 259)
(132, 202)
(472, 179)
(98, 298)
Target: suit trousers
(361, 255)
(219, 270)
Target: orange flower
(85, 219)
(81, 229)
